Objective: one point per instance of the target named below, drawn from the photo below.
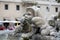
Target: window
(18, 23)
(15, 24)
(56, 9)
(56, 0)
(38, 6)
(47, 0)
(17, 7)
(47, 9)
(6, 6)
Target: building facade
(16, 8)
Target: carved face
(28, 15)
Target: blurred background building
(12, 9)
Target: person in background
(11, 26)
(6, 24)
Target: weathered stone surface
(45, 32)
(38, 21)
